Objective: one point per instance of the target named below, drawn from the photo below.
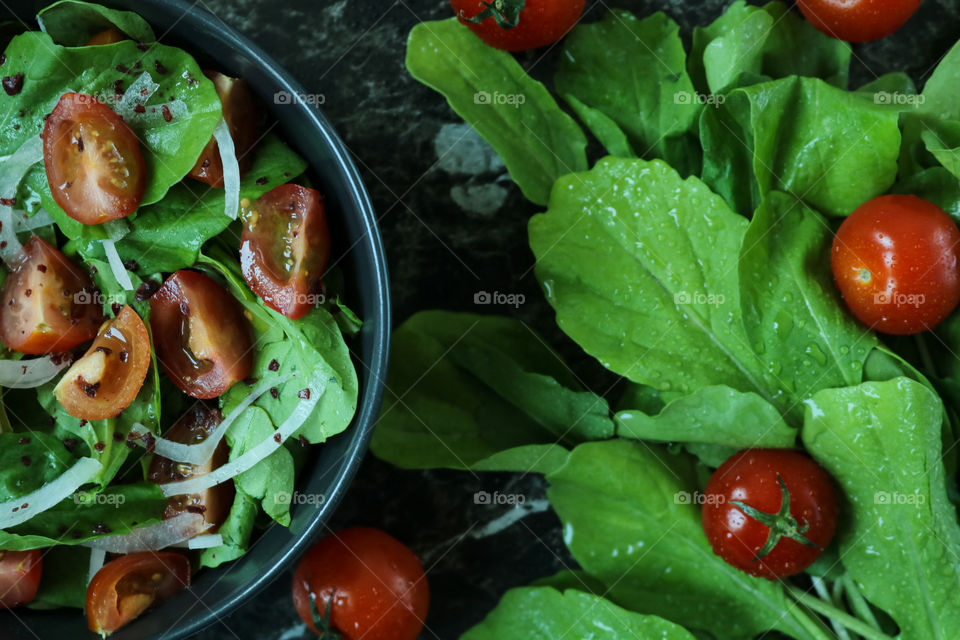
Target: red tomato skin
(542, 22)
(381, 589)
(20, 573)
(291, 294)
(858, 20)
(72, 110)
(896, 262)
(750, 476)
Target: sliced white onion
(116, 264)
(97, 559)
(200, 452)
(137, 94)
(12, 171)
(28, 374)
(250, 459)
(153, 537)
(231, 169)
(39, 219)
(204, 541)
(13, 512)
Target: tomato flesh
(110, 374)
(378, 586)
(858, 20)
(47, 305)
(896, 261)
(94, 165)
(20, 573)
(285, 246)
(541, 22)
(203, 340)
(243, 118)
(126, 587)
(213, 503)
(107, 36)
(753, 477)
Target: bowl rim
(368, 404)
(378, 323)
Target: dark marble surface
(454, 227)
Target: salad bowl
(331, 466)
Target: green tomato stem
(833, 613)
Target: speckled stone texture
(453, 227)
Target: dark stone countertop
(453, 227)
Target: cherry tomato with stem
(518, 25)
(769, 512)
(362, 583)
(858, 20)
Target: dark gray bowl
(217, 592)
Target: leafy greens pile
(693, 261)
(181, 224)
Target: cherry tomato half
(93, 160)
(107, 36)
(202, 337)
(47, 304)
(858, 20)
(126, 587)
(539, 23)
(213, 503)
(377, 584)
(896, 261)
(759, 490)
(285, 246)
(110, 374)
(20, 573)
(243, 118)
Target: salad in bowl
(174, 338)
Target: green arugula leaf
(833, 149)
(236, 530)
(72, 23)
(634, 72)
(271, 480)
(490, 91)
(629, 520)
(481, 392)
(900, 546)
(64, 579)
(543, 613)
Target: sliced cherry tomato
(202, 337)
(285, 246)
(858, 20)
(244, 118)
(48, 304)
(107, 36)
(769, 512)
(514, 25)
(214, 503)
(93, 160)
(20, 573)
(372, 584)
(896, 261)
(126, 587)
(109, 376)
